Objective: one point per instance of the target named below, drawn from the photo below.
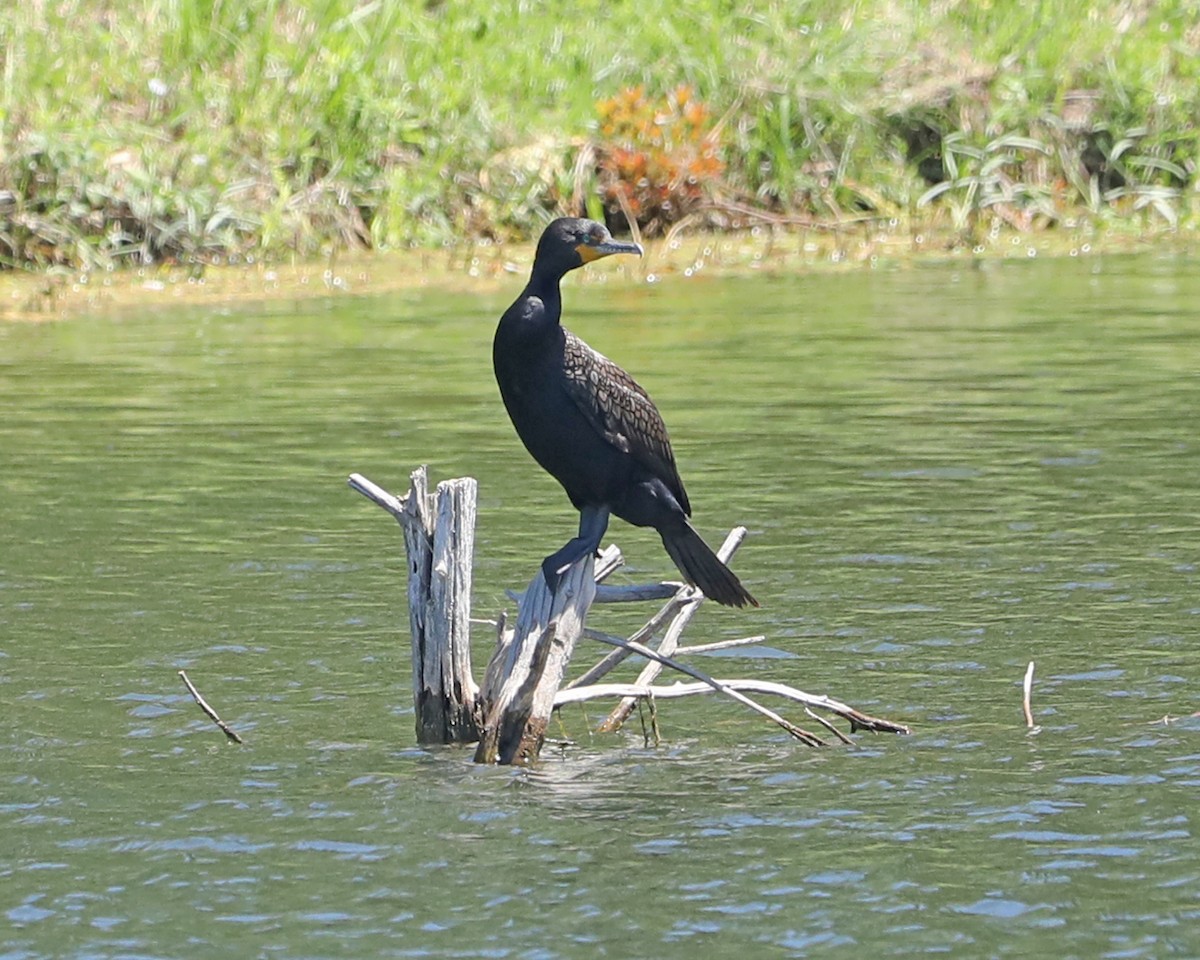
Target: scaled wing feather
(621, 411)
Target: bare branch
(608, 562)
(372, 491)
(829, 726)
(720, 645)
(618, 655)
(607, 691)
(802, 735)
(211, 713)
(692, 599)
(633, 592)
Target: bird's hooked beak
(589, 251)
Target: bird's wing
(621, 411)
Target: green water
(946, 471)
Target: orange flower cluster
(656, 157)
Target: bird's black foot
(551, 574)
(593, 521)
(559, 562)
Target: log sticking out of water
(527, 668)
(508, 716)
(439, 538)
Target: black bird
(590, 425)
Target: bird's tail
(702, 568)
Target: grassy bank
(201, 130)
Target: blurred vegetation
(659, 159)
(199, 130)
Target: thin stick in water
(212, 714)
(1028, 691)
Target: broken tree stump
(527, 669)
(523, 684)
(439, 538)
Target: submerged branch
(209, 711)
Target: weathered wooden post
(527, 668)
(526, 671)
(530, 662)
(439, 538)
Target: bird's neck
(545, 319)
(545, 287)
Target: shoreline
(66, 295)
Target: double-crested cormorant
(590, 425)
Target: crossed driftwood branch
(509, 712)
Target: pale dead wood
(1025, 703)
(692, 598)
(608, 562)
(448, 616)
(610, 559)
(521, 686)
(802, 735)
(372, 491)
(720, 645)
(683, 594)
(527, 668)
(620, 654)
(604, 637)
(439, 538)
(609, 691)
(209, 711)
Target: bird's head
(570, 242)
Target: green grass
(198, 130)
